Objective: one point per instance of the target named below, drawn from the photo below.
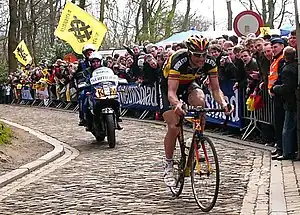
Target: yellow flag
(78, 28)
(22, 54)
(265, 31)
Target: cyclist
(80, 79)
(182, 73)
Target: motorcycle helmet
(87, 47)
(95, 55)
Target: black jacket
(135, 68)
(264, 68)
(150, 75)
(240, 75)
(289, 81)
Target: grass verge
(6, 134)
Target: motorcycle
(102, 105)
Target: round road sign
(247, 22)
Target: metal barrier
(264, 115)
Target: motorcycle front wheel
(111, 133)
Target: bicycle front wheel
(205, 176)
(178, 166)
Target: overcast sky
(205, 8)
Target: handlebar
(197, 110)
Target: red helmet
(197, 43)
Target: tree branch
(282, 10)
(244, 4)
(256, 8)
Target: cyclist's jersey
(178, 67)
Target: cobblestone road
(128, 179)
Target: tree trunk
(229, 15)
(145, 25)
(52, 22)
(19, 27)
(29, 28)
(271, 7)
(12, 40)
(6, 40)
(185, 25)
(102, 4)
(31, 34)
(127, 22)
(24, 23)
(82, 4)
(264, 10)
(170, 19)
(137, 28)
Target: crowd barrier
(147, 99)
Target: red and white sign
(247, 22)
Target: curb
(277, 202)
(57, 152)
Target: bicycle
(196, 162)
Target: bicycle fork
(194, 147)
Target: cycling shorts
(183, 92)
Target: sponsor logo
(180, 63)
(211, 62)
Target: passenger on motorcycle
(96, 62)
(80, 79)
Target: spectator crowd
(257, 65)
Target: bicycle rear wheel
(205, 176)
(178, 167)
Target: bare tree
(170, 18)
(186, 16)
(137, 29)
(264, 10)
(102, 7)
(12, 41)
(229, 15)
(23, 20)
(271, 11)
(52, 22)
(145, 17)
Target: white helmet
(88, 47)
(95, 55)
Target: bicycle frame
(198, 127)
(198, 133)
(191, 163)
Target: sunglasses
(198, 55)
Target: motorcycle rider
(96, 62)
(80, 79)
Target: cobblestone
(128, 179)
